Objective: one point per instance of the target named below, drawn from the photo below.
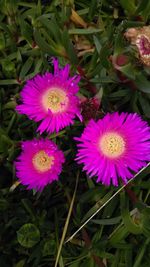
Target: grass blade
(66, 223)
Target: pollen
(56, 100)
(42, 162)
(112, 145)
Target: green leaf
(84, 31)
(96, 206)
(129, 24)
(119, 43)
(132, 227)
(119, 234)
(111, 221)
(8, 81)
(142, 83)
(143, 8)
(129, 71)
(21, 263)
(25, 68)
(119, 93)
(69, 47)
(116, 259)
(26, 4)
(26, 30)
(93, 6)
(52, 27)
(140, 253)
(97, 44)
(43, 45)
(104, 56)
(128, 5)
(105, 79)
(49, 247)
(11, 122)
(11, 6)
(8, 68)
(75, 264)
(129, 256)
(146, 219)
(28, 235)
(145, 105)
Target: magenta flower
(114, 147)
(39, 164)
(51, 99)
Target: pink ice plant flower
(51, 99)
(143, 44)
(39, 164)
(114, 147)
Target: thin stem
(67, 222)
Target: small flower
(51, 98)
(114, 147)
(39, 164)
(119, 61)
(89, 108)
(141, 38)
(143, 43)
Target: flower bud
(140, 37)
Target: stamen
(56, 100)
(112, 145)
(42, 162)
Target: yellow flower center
(55, 99)
(112, 145)
(42, 162)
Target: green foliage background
(32, 224)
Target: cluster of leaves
(88, 35)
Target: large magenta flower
(39, 164)
(51, 99)
(114, 147)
